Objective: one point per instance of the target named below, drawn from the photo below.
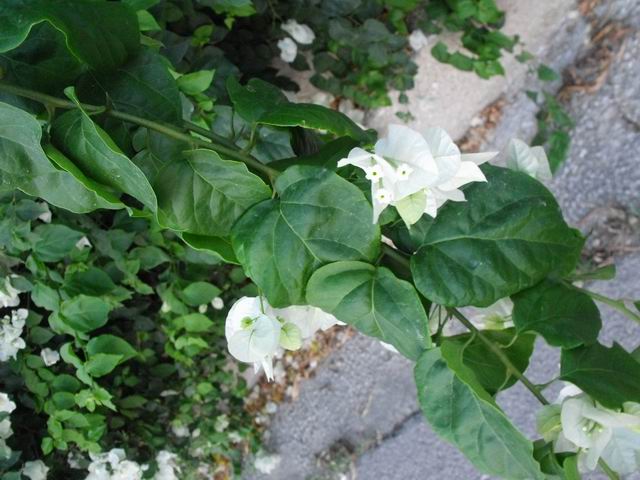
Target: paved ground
(358, 417)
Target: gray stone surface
(363, 398)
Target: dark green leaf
(374, 301)
(486, 366)
(51, 243)
(610, 375)
(101, 34)
(219, 246)
(461, 412)
(506, 237)
(203, 194)
(40, 335)
(254, 99)
(84, 313)
(149, 256)
(92, 281)
(327, 157)
(547, 74)
(319, 218)
(564, 316)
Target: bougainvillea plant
(392, 235)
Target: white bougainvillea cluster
(299, 33)
(576, 423)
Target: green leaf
(486, 366)
(193, 323)
(24, 165)
(465, 415)
(84, 313)
(607, 272)
(506, 237)
(102, 364)
(610, 375)
(199, 293)
(308, 115)
(45, 297)
(143, 87)
(412, 207)
(195, 82)
(40, 335)
(220, 246)
(374, 301)
(547, 74)
(319, 218)
(235, 8)
(564, 316)
(254, 99)
(52, 242)
(149, 256)
(203, 194)
(327, 157)
(97, 156)
(93, 281)
(112, 345)
(101, 34)
(147, 22)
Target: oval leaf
(374, 301)
(84, 313)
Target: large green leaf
(319, 218)
(309, 115)
(84, 313)
(24, 165)
(460, 411)
(101, 34)
(202, 194)
(564, 316)
(52, 242)
(254, 99)
(42, 62)
(374, 301)
(506, 237)
(220, 246)
(97, 156)
(609, 375)
(485, 364)
(327, 157)
(143, 87)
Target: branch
(612, 302)
(217, 144)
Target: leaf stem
(511, 368)
(618, 304)
(396, 256)
(217, 143)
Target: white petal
(266, 335)
(572, 418)
(245, 307)
(300, 32)
(288, 49)
(239, 346)
(621, 451)
(404, 145)
(358, 157)
(478, 158)
(267, 365)
(467, 173)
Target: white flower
(6, 405)
(8, 295)
(252, 335)
(221, 423)
(10, 334)
(180, 430)
(113, 465)
(530, 160)
(288, 49)
(35, 470)
(5, 429)
(418, 40)
(576, 423)
(416, 173)
(167, 466)
(83, 242)
(266, 463)
(49, 357)
(202, 308)
(217, 303)
(300, 32)
(46, 215)
(307, 318)
(494, 317)
(165, 307)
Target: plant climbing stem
(612, 302)
(215, 142)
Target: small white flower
(221, 423)
(165, 308)
(266, 463)
(5, 429)
(49, 357)
(167, 466)
(497, 316)
(113, 465)
(217, 303)
(180, 430)
(418, 40)
(8, 295)
(6, 405)
(35, 470)
(82, 243)
(202, 308)
(10, 334)
(531, 160)
(419, 173)
(374, 173)
(288, 49)
(300, 32)
(46, 215)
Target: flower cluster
(256, 331)
(10, 334)
(8, 294)
(416, 173)
(6, 407)
(576, 423)
(301, 33)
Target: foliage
(186, 168)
